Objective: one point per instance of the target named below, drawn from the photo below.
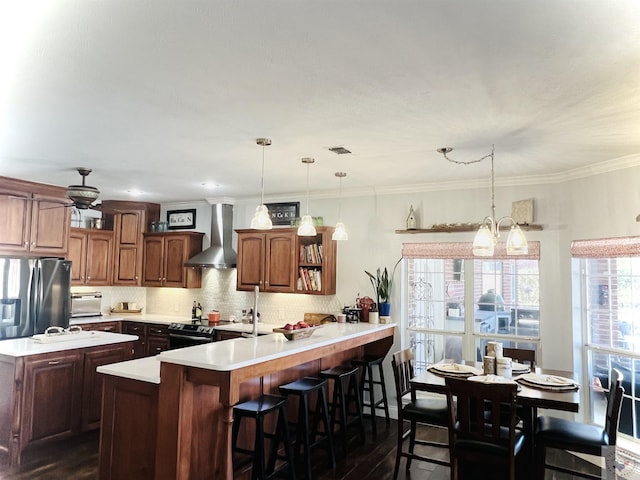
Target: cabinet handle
(26, 244)
(88, 278)
(33, 244)
(54, 362)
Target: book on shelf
(311, 253)
(310, 279)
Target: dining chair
(553, 432)
(478, 438)
(520, 355)
(431, 411)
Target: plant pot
(384, 308)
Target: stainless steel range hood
(220, 254)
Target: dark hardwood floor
(77, 459)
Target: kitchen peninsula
(187, 397)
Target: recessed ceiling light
(339, 150)
(135, 192)
(209, 185)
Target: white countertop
(242, 352)
(145, 369)
(146, 318)
(21, 347)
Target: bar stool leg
(354, 392)
(258, 471)
(384, 394)
(322, 398)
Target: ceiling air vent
(339, 150)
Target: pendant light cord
(307, 188)
(262, 178)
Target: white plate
(520, 368)
(490, 379)
(456, 369)
(548, 380)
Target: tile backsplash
(218, 292)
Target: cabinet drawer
(131, 328)
(103, 327)
(158, 330)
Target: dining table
(528, 397)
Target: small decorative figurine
(411, 220)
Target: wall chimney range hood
(220, 254)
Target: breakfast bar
(198, 387)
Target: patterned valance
(606, 247)
(463, 250)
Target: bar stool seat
(346, 395)
(307, 434)
(257, 410)
(367, 384)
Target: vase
(384, 308)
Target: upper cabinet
(33, 219)
(91, 252)
(129, 221)
(279, 261)
(164, 257)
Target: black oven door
(178, 340)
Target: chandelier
(489, 231)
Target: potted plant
(382, 283)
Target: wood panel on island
(34, 218)
(279, 260)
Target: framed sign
(283, 213)
(181, 219)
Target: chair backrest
(614, 404)
(520, 355)
(402, 364)
(477, 411)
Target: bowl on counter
(297, 334)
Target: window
(456, 303)
(609, 272)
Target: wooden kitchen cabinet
(129, 221)
(266, 259)
(152, 338)
(91, 252)
(33, 219)
(164, 257)
(51, 396)
(277, 261)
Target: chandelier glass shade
(261, 219)
(306, 228)
(340, 232)
(487, 235)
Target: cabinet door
(50, 223)
(128, 227)
(92, 380)
(52, 385)
(15, 215)
(78, 256)
(155, 345)
(251, 248)
(153, 271)
(280, 269)
(139, 329)
(175, 253)
(99, 258)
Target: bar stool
(367, 383)
(345, 393)
(257, 410)
(307, 435)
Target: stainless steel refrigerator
(35, 293)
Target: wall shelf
(469, 227)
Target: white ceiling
(165, 95)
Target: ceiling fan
(83, 195)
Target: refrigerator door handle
(38, 292)
(33, 293)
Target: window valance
(462, 250)
(606, 247)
